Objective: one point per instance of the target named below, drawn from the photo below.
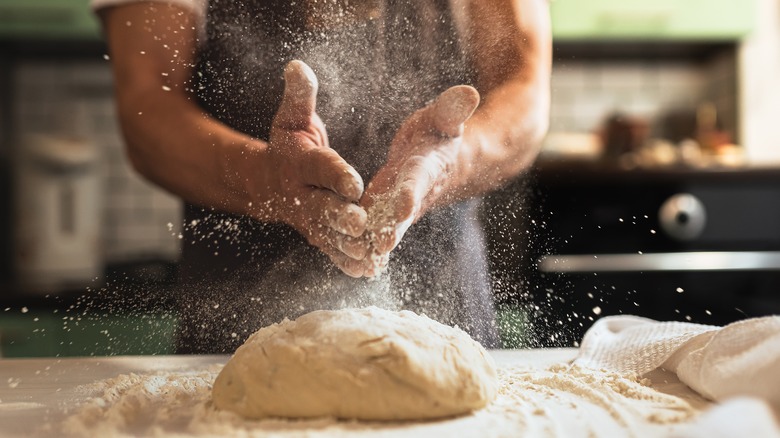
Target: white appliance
(57, 214)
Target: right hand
(303, 182)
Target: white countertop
(36, 392)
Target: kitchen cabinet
(717, 20)
(47, 19)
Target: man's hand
(420, 161)
(299, 180)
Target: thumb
(452, 108)
(299, 100)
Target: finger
(333, 242)
(299, 100)
(381, 184)
(385, 241)
(325, 240)
(358, 266)
(346, 264)
(390, 216)
(336, 223)
(354, 248)
(378, 265)
(344, 217)
(390, 236)
(324, 167)
(452, 108)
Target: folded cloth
(742, 358)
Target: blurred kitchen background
(657, 191)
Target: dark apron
(239, 274)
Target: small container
(57, 214)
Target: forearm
(171, 142)
(503, 137)
(169, 139)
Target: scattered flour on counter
(141, 404)
(559, 401)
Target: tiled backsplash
(586, 92)
(75, 98)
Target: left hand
(422, 158)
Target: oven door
(699, 246)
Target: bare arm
(295, 177)
(447, 151)
(511, 40)
(170, 140)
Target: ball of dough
(369, 364)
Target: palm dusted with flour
(307, 185)
(421, 160)
(304, 182)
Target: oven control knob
(683, 216)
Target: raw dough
(369, 364)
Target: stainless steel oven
(670, 244)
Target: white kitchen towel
(742, 358)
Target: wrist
(242, 163)
(466, 180)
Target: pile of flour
(558, 401)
